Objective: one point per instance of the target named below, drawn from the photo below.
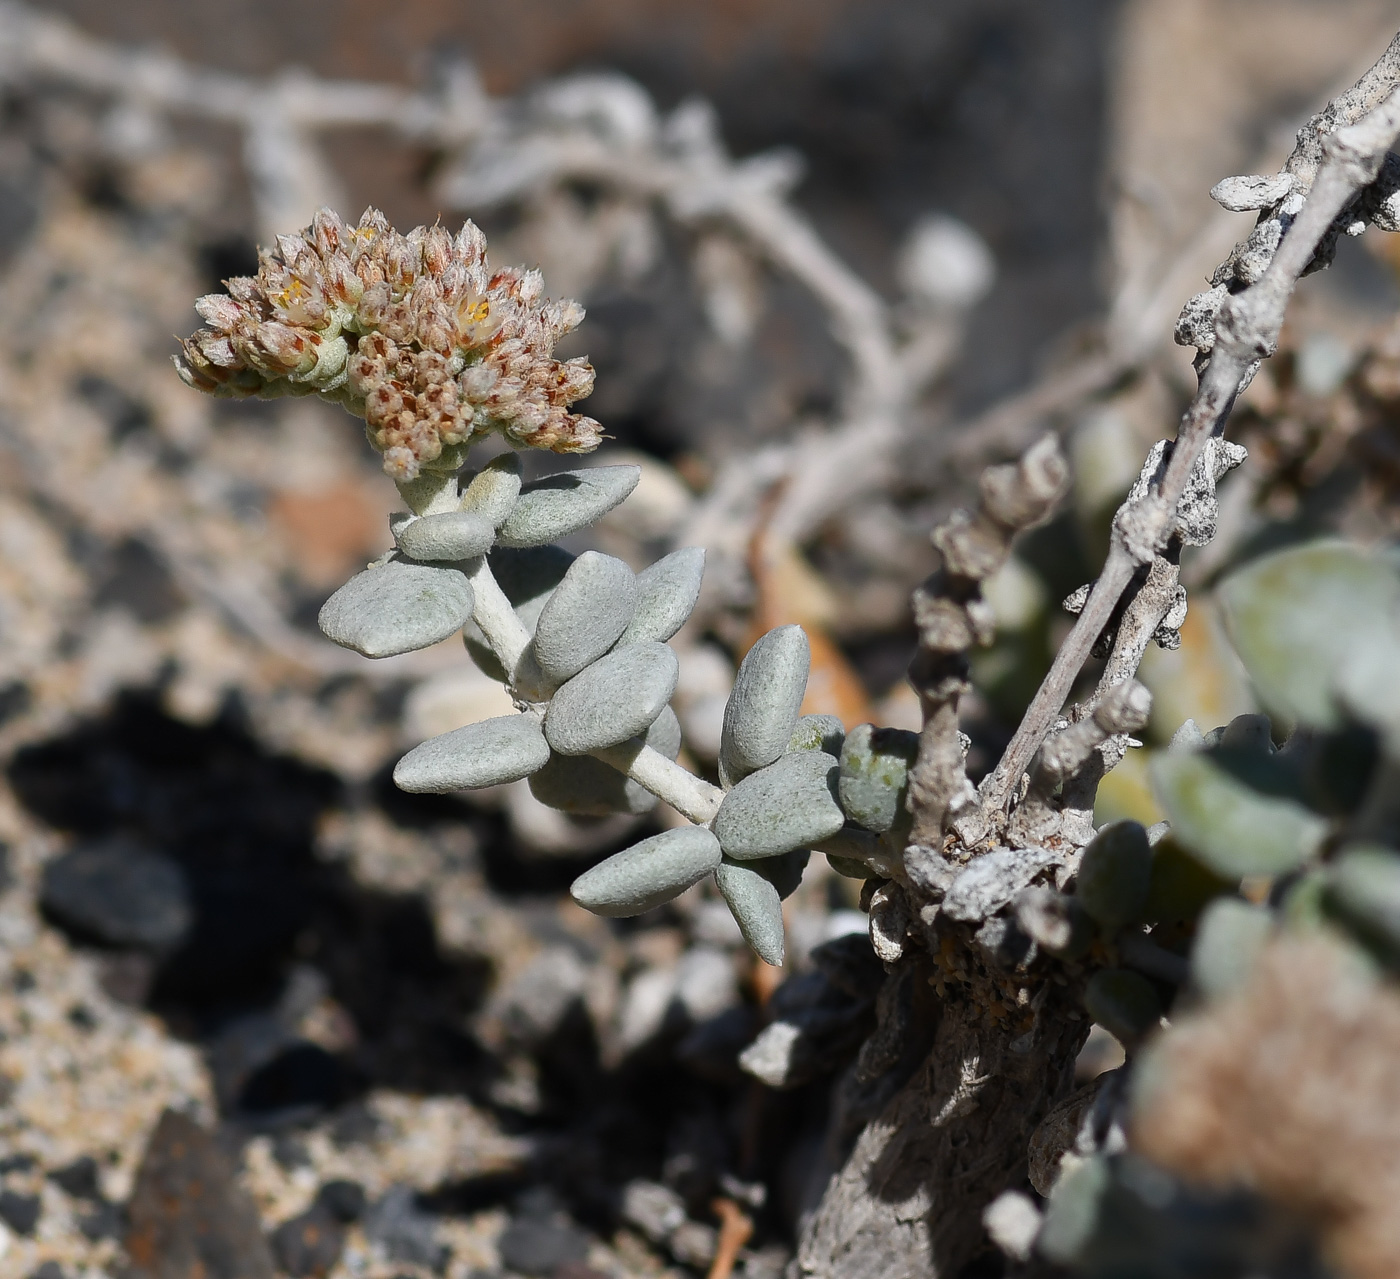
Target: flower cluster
(414, 333)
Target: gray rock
(875, 765)
(397, 607)
(584, 617)
(648, 874)
(654, 1209)
(762, 709)
(541, 1246)
(617, 697)
(818, 733)
(790, 804)
(560, 504)
(666, 596)
(587, 787)
(119, 892)
(756, 907)
(494, 489)
(488, 753)
(454, 535)
(405, 1232)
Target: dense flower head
(414, 333)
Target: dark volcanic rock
(118, 892)
(78, 1179)
(404, 1230)
(189, 1217)
(19, 1212)
(310, 1244)
(344, 1200)
(540, 1238)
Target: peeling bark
(907, 1201)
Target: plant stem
(691, 796)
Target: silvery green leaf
(783, 872)
(397, 607)
(488, 753)
(1363, 889)
(666, 595)
(588, 787)
(454, 535)
(875, 765)
(847, 849)
(494, 490)
(762, 709)
(1123, 1002)
(1072, 1216)
(818, 733)
(1228, 939)
(617, 697)
(1249, 733)
(648, 874)
(756, 907)
(528, 577)
(483, 654)
(1181, 885)
(790, 804)
(1299, 617)
(1233, 828)
(584, 616)
(560, 504)
(1115, 875)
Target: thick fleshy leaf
(818, 733)
(666, 596)
(790, 804)
(1228, 939)
(1072, 1216)
(583, 618)
(648, 874)
(617, 697)
(763, 707)
(1115, 876)
(1301, 617)
(1123, 1002)
(1181, 885)
(488, 753)
(785, 872)
(493, 491)
(1233, 828)
(756, 906)
(588, 787)
(397, 607)
(1363, 890)
(528, 577)
(875, 765)
(560, 504)
(454, 535)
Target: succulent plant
(580, 642)
(1315, 821)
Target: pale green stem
(432, 493)
(510, 641)
(691, 796)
